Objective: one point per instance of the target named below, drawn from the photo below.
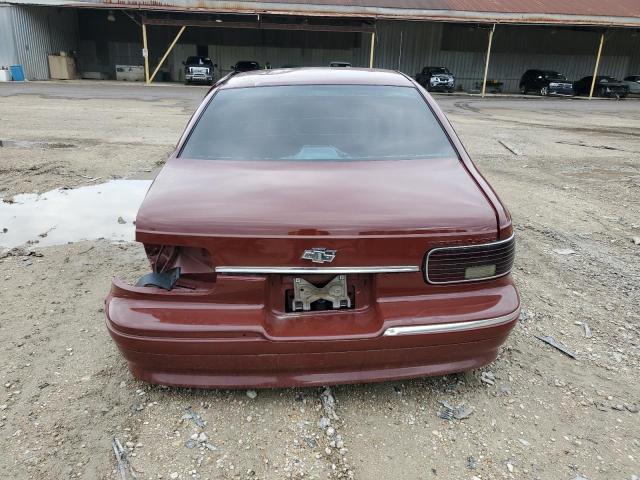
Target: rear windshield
(317, 122)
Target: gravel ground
(569, 171)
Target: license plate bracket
(335, 293)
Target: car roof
(317, 76)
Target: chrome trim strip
(426, 262)
(450, 327)
(316, 270)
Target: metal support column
(595, 70)
(486, 63)
(400, 51)
(372, 49)
(145, 53)
(166, 54)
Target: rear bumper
(229, 338)
(198, 78)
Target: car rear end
(430, 309)
(303, 271)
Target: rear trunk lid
(267, 213)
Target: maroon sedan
(317, 226)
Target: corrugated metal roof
(615, 8)
(563, 12)
(621, 8)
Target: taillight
(470, 263)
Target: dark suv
(436, 79)
(198, 69)
(545, 82)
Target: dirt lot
(570, 172)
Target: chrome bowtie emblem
(319, 255)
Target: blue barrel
(17, 73)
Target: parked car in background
(436, 79)
(313, 227)
(633, 82)
(545, 82)
(198, 70)
(605, 87)
(340, 64)
(245, 66)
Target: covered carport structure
(478, 40)
(257, 22)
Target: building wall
(7, 44)
(29, 34)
